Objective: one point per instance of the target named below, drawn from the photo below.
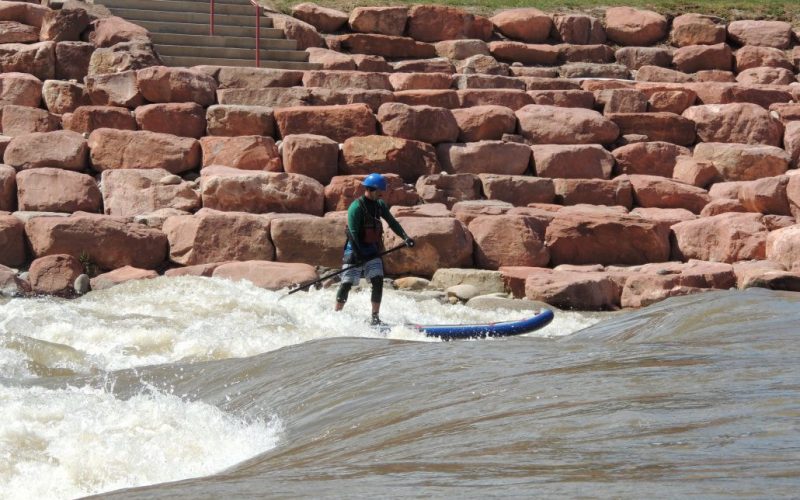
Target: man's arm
(396, 227)
(354, 223)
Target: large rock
(418, 123)
(525, 53)
(694, 58)
(743, 162)
(467, 210)
(14, 32)
(130, 192)
(107, 242)
(728, 237)
(508, 240)
(484, 157)
(121, 275)
(434, 23)
(555, 125)
(379, 20)
(57, 190)
(659, 192)
(436, 98)
(783, 247)
(210, 236)
(8, 188)
(344, 189)
(752, 56)
(330, 59)
(315, 156)
(233, 120)
(584, 290)
(766, 196)
(87, 119)
(73, 60)
(482, 123)
(311, 240)
(21, 89)
(578, 29)
(123, 57)
(649, 158)
(324, 19)
(628, 26)
(64, 25)
(232, 77)
(377, 153)
(346, 79)
(777, 34)
(440, 242)
(111, 149)
(184, 119)
(420, 81)
(233, 190)
(386, 46)
(737, 122)
(448, 189)
(666, 127)
(114, 89)
(38, 59)
(654, 282)
(250, 152)
(766, 76)
(294, 29)
(697, 29)
(461, 49)
(510, 98)
(64, 97)
(526, 24)
(589, 236)
(59, 149)
(265, 274)
(635, 57)
(337, 122)
(20, 120)
(519, 190)
(55, 274)
(614, 192)
(791, 142)
(586, 161)
(113, 30)
(12, 241)
(163, 84)
(29, 13)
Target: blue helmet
(375, 181)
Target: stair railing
(258, 27)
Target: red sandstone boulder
(113, 30)
(783, 247)
(628, 26)
(252, 152)
(657, 74)
(666, 127)
(57, 190)
(649, 158)
(315, 156)
(418, 123)
(210, 236)
(163, 84)
(330, 59)
(738, 122)
(615, 192)
(659, 192)
(336, 122)
(620, 101)
(343, 189)
(377, 153)
(115, 89)
(14, 32)
(508, 241)
(121, 275)
(593, 54)
(585, 161)
(420, 81)
(64, 97)
(230, 190)
(233, 120)
(766, 196)
(693, 58)
(38, 59)
(441, 242)
(573, 290)
(554, 125)
(231, 77)
(510, 98)
(265, 274)
(330, 97)
(484, 157)
(578, 29)
(777, 34)
(64, 25)
(55, 275)
(21, 89)
(791, 142)
(426, 210)
(766, 76)
(59, 149)
(526, 24)
(668, 216)
(294, 29)
(728, 237)
(12, 241)
(433, 23)
(529, 54)
(467, 210)
(752, 56)
(20, 120)
(380, 20)
(437, 98)
(585, 236)
(267, 97)
(184, 119)
(670, 101)
(385, 46)
(448, 189)
(654, 282)
(108, 242)
(563, 98)
(518, 190)
(743, 162)
(697, 29)
(317, 241)
(87, 119)
(8, 188)
(112, 149)
(346, 79)
(481, 123)
(129, 192)
(324, 19)
(693, 171)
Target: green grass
(786, 10)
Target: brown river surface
(199, 388)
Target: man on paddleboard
(365, 242)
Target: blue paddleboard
(500, 329)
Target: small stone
(81, 284)
(463, 292)
(170, 180)
(411, 283)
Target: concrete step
(222, 41)
(210, 61)
(230, 53)
(136, 15)
(238, 9)
(202, 29)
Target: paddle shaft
(340, 271)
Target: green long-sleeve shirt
(356, 216)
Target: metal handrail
(258, 28)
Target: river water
(200, 388)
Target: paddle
(340, 271)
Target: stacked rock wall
(596, 163)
